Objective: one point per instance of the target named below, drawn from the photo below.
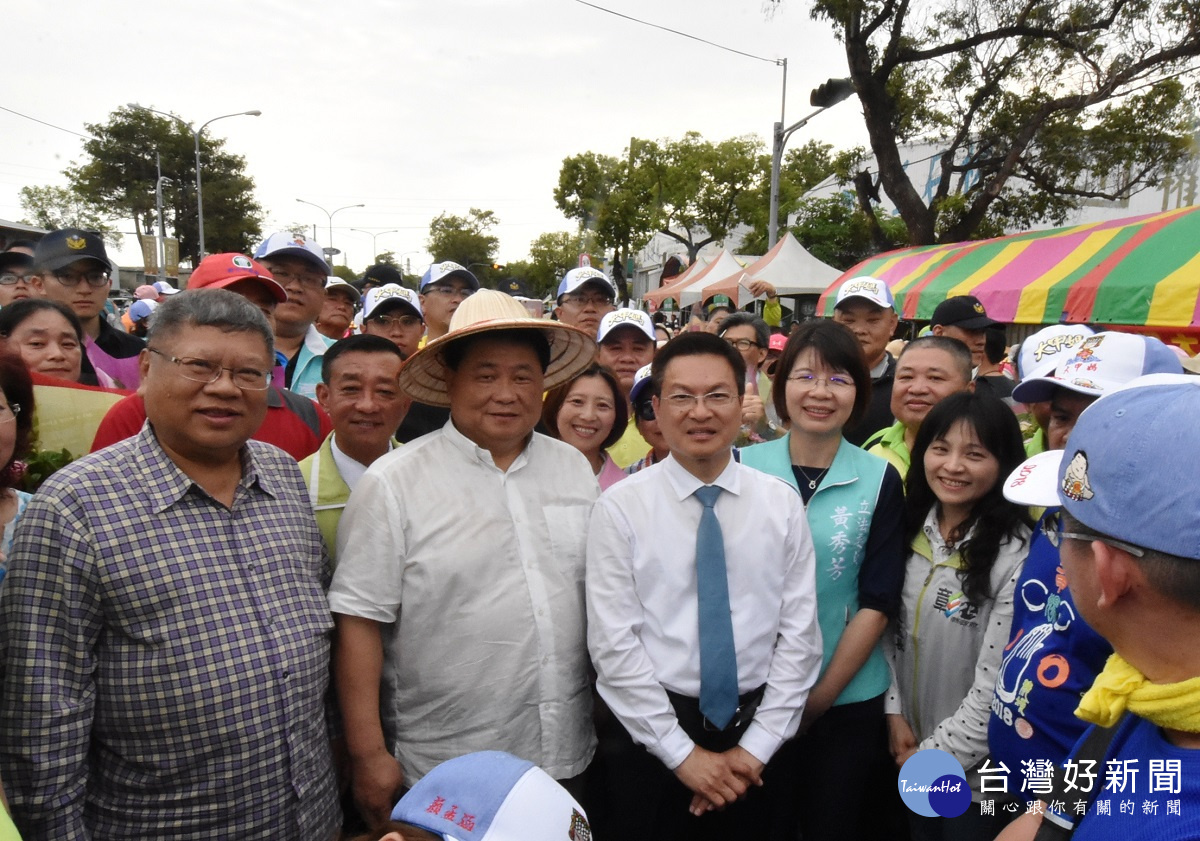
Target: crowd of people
(349, 559)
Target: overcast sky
(410, 108)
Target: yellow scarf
(1175, 706)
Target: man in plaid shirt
(165, 627)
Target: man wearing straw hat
(458, 595)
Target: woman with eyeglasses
(16, 430)
(967, 548)
(48, 337)
(590, 414)
(855, 508)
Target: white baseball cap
(492, 796)
(1041, 352)
(870, 289)
(585, 275)
(1099, 364)
(626, 318)
(390, 296)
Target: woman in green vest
(855, 505)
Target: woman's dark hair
(13, 314)
(836, 346)
(556, 397)
(17, 386)
(993, 517)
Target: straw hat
(424, 374)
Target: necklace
(812, 483)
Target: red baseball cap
(217, 271)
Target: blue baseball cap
(1126, 470)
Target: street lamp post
(196, 132)
(825, 96)
(330, 215)
(374, 251)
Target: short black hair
(993, 345)
(959, 352)
(455, 351)
(836, 346)
(361, 343)
(762, 333)
(695, 343)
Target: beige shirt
(481, 572)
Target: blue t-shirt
(1160, 799)
(1051, 659)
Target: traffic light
(830, 93)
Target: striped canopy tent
(1140, 271)
(725, 265)
(788, 267)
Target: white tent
(724, 265)
(787, 266)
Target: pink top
(609, 473)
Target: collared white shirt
(481, 570)
(350, 469)
(643, 618)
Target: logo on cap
(1075, 483)
(76, 243)
(242, 262)
(861, 286)
(580, 829)
(299, 240)
(1056, 344)
(636, 316)
(978, 308)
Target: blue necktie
(718, 658)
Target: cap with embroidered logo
(287, 244)
(492, 796)
(1099, 364)
(1122, 474)
(865, 288)
(61, 248)
(1041, 353)
(446, 270)
(390, 296)
(218, 271)
(964, 311)
(618, 319)
(576, 279)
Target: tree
(802, 169)
(467, 240)
(119, 176)
(58, 207)
(836, 231)
(691, 190)
(552, 255)
(1037, 105)
(696, 187)
(345, 273)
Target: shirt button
(541, 612)
(286, 674)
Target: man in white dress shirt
(679, 774)
(458, 595)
